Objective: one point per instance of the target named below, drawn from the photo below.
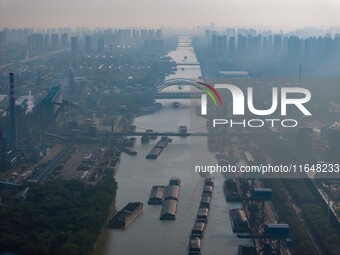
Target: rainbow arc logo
(208, 89)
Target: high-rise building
(74, 46)
(214, 41)
(232, 44)
(3, 37)
(135, 35)
(294, 49)
(101, 45)
(35, 42)
(64, 40)
(221, 45)
(159, 34)
(54, 41)
(88, 44)
(277, 44)
(144, 34)
(47, 41)
(241, 44)
(151, 35)
(270, 44)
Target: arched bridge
(177, 94)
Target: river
(147, 235)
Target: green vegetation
(315, 212)
(303, 194)
(62, 217)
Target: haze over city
(176, 13)
(211, 127)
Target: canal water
(147, 235)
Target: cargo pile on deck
(231, 190)
(157, 149)
(239, 221)
(169, 206)
(126, 215)
(157, 195)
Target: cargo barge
(175, 181)
(157, 149)
(170, 201)
(172, 192)
(128, 151)
(202, 214)
(209, 181)
(156, 195)
(239, 221)
(198, 229)
(195, 246)
(197, 232)
(231, 191)
(205, 201)
(126, 215)
(247, 250)
(169, 210)
(207, 190)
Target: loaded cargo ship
(195, 246)
(157, 149)
(198, 229)
(126, 215)
(231, 190)
(239, 221)
(156, 195)
(170, 201)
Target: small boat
(150, 134)
(180, 86)
(128, 142)
(128, 151)
(175, 105)
(183, 130)
(145, 139)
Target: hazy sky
(170, 13)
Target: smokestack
(12, 123)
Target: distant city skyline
(289, 14)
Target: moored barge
(169, 210)
(156, 195)
(239, 221)
(126, 215)
(195, 246)
(231, 191)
